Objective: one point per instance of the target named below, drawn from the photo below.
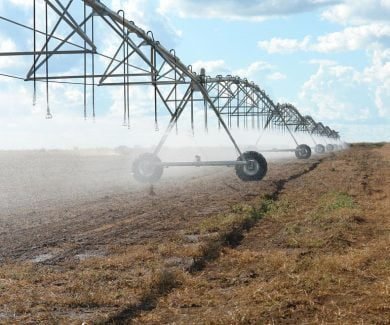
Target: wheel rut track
(231, 239)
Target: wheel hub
(147, 168)
(252, 167)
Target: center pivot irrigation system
(141, 60)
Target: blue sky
(330, 58)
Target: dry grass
(98, 283)
(320, 255)
(115, 287)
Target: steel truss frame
(234, 101)
(244, 103)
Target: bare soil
(308, 244)
(88, 200)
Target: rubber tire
(303, 151)
(329, 147)
(143, 171)
(319, 148)
(252, 175)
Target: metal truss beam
(140, 60)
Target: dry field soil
(309, 244)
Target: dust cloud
(57, 163)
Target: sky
(329, 58)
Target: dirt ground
(308, 244)
(88, 199)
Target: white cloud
(144, 97)
(145, 15)
(331, 91)
(15, 98)
(135, 10)
(322, 62)
(252, 71)
(382, 99)
(358, 12)
(326, 92)
(380, 68)
(284, 45)
(378, 75)
(7, 45)
(352, 38)
(349, 39)
(22, 3)
(259, 72)
(239, 9)
(212, 67)
(277, 76)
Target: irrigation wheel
(255, 170)
(329, 147)
(147, 168)
(319, 148)
(303, 151)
